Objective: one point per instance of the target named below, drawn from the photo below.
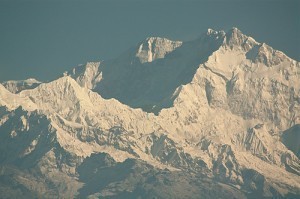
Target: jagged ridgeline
(216, 117)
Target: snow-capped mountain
(217, 117)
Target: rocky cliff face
(213, 117)
(155, 48)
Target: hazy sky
(44, 38)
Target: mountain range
(216, 117)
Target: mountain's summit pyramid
(234, 37)
(64, 91)
(217, 116)
(155, 48)
(87, 75)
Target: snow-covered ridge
(12, 101)
(16, 86)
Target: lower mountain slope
(70, 142)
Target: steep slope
(150, 84)
(251, 88)
(291, 139)
(87, 75)
(155, 48)
(32, 160)
(242, 65)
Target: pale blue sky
(42, 39)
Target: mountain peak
(155, 39)
(236, 39)
(153, 48)
(63, 81)
(63, 96)
(87, 75)
(62, 86)
(235, 29)
(264, 53)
